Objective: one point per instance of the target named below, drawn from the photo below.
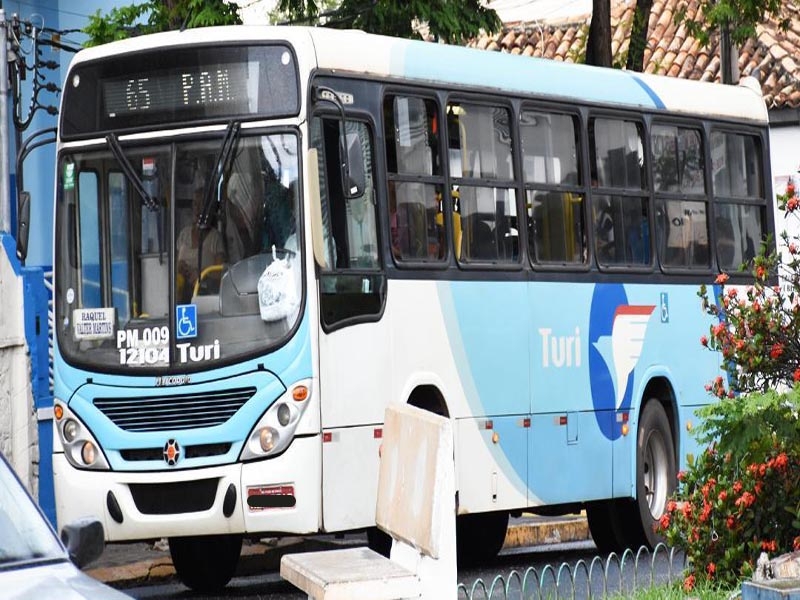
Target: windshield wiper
(225, 152)
(149, 201)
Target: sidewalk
(126, 564)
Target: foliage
(153, 16)
(741, 497)
(739, 16)
(449, 21)
(729, 508)
(761, 317)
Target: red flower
(730, 522)
(792, 248)
(776, 351)
(737, 487)
(721, 278)
(711, 568)
(704, 341)
(781, 461)
(688, 583)
(761, 272)
(663, 522)
(796, 543)
(796, 374)
(791, 204)
(682, 474)
(723, 495)
(769, 546)
(790, 189)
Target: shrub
(741, 496)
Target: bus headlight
(80, 448)
(275, 429)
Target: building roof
(773, 57)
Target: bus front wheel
(205, 563)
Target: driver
(188, 245)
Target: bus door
(354, 348)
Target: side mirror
(355, 180)
(23, 225)
(84, 539)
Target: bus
(265, 235)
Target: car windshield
(25, 535)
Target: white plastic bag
(277, 290)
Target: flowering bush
(758, 326)
(741, 497)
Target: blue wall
(39, 168)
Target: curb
(551, 531)
(260, 557)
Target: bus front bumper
(278, 495)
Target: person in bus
(190, 240)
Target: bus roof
(374, 55)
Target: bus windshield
(170, 258)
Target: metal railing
(613, 576)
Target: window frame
(513, 184)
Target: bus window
(740, 206)
(89, 228)
(352, 286)
(555, 216)
(620, 207)
(120, 245)
(681, 202)
(416, 224)
(481, 165)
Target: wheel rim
(655, 476)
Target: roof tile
(670, 50)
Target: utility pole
(5, 191)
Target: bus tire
(656, 474)
(205, 563)
(480, 536)
(606, 520)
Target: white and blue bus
(266, 235)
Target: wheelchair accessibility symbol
(186, 321)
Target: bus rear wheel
(656, 474)
(205, 563)
(479, 537)
(607, 523)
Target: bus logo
(186, 321)
(172, 452)
(616, 340)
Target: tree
(161, 15)
(598, 45)
(450, 21)
(639, 31)
(735, 20)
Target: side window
(485, 227)
(351, 284)
(555, 202)
(89, 240)
(681, 201)
(620, 200)
(415, 182)
(739, 203)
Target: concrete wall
(18, 425)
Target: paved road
(561, 566)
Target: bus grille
(174, 498)
(181, 411)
